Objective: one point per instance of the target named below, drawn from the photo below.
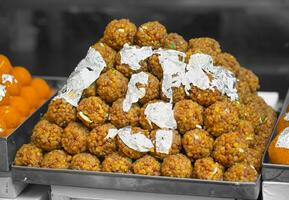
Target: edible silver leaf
(137, 141)
(176, 72)
(164, 140)
(283, 139)
(224, 81)
(2, 92)
(86, 72)
(195, 76)
(133, 92)
(8, 78)
(173, 70)
(132, 55)
(161, 114)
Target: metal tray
(276, 172)
(11, 143)
(129, 182)
(139, 183)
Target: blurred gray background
(51, 36)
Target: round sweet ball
(90, 91)
(57, 159)
(107, 53)
(147, 165)
(241, 172)
(116, 163)
(188, 115)
(246, 129)
(127, 151)
(92, 111)
(74, 138)
(205, 97)
(204, 45)
(176, 42)
(243, 90)
(208, 169)
(177, 166)
(154, 66)
(46, 135)
(227, 61)
(85, 161)
(119, 32)
(254, 99)
(151, 34)
(254, 158)
(97, 142)
(230, 148)
(151, 89)
(174, 149)
(197, 143)
(120, 118)
(252, 112)
(268, 120)
(221, 117)
(246, 75)
(29, 155)
(111, 85)
(60, 112)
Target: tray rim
(123, 175)
(137, 183)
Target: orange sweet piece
(4, 100)
(22, 119)
(22, 75)
(283, 123)
(5, 65)
(13, 87)
(3, 128)
(21, 105)
(32, 111)
(42, 102)
(10, 116)
(30, 95)
(41, 87)
(278, 155)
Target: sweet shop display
(146, 101)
